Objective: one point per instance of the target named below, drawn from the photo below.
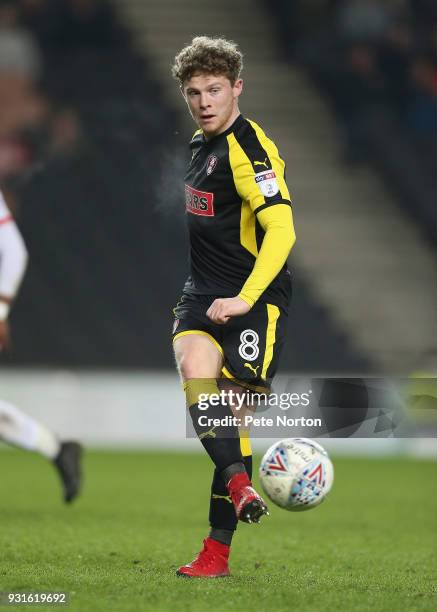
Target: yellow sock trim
(198, 386)
(245, 446)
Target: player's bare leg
(197, 357)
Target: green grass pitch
(371, 546)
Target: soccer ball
(296, 474)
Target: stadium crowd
(376, 61)
(36, 120)
(82, 127)
(92, 162)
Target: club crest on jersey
(211, 164)
(199, 202)
(267, 183)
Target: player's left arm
(275, 216)
(277, 222)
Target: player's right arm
(13, 262)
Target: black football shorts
(250, 344)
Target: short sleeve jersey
(230, 179)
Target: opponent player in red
(230, 321)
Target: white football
(296, 474)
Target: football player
(17, 428)
(230, 321)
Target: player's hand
(222, 309)
(5, 341)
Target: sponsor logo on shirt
(211, 163)
(267, 183)
(199, 202)
(263, 163)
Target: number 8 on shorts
(249, 348)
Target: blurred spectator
(363, 19)
(421, 111)
(361, 90)
(422, 107)
(42, 18)
(66, 132)
(396, 52)
(365, 86)
(86, 24)
(19, 55)
(424, 12)
(83, 38)
(22, 106)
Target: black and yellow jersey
(231, 179)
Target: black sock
(231, 470)
(248, 465)
(221, 535)
(221, 509)
(221, 442)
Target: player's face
(213, 102)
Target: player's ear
(238, 87)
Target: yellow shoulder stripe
(248, 191)
(277, 162)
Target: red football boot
(249, 506)
(211, 562)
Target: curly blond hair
(208, 55)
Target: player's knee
(189, 366)
(198, 363)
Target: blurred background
(93, 146)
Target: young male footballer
(230, 321)
(17, 428)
